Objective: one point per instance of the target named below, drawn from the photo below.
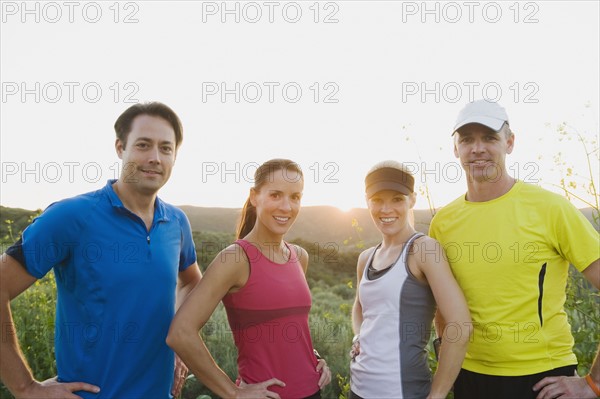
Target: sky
(335, 86)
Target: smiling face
(148, 156)
(277, 201)
(389, 211)
(482, 152)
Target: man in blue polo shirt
(122, 260)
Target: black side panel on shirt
(541, 288)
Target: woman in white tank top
(399, 283)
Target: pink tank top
(269, 321)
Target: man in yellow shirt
(509, 245)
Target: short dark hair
(155, 108)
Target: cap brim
(493, 123)
(387, 185)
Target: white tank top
(398, 312)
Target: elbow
(458, 332)
(466, 332)
(171, 339)
(182, 336)
(176, 337)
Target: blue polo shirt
(116, 286)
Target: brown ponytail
(247, 220)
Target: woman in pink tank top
(261, 281)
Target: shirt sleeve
(576, 240)
(49, 240)
(187, 255)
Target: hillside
(322, 224)
(315, 224)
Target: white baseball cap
(487, 113)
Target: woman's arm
(303, 257)
(357, 316)
(228, 272)
(322, 367)
(452, 308)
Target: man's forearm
(188, 280)
(14, 370)
(181, 294)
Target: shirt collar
(160, 210)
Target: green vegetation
(583, 308)
(580, 186)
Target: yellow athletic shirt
(511, 258)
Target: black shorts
(354, 396)
(470, 385)
(316, 395)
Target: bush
(33, 314)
